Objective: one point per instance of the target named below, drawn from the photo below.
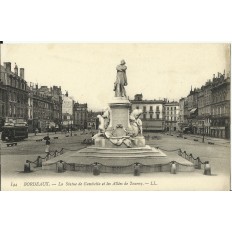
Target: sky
(88, 71)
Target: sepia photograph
(115, 116)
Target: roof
(148, 102)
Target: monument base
(120, 142)
(119, 160)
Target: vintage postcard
(122, 116)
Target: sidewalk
(200, 137)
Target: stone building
(57, 102)
(3, 97)
(67, 111)
(220, 107)
(183, 113)
(44, 108)
(204, 109)
(208, 108)
(153, 112)
(192, 109)
(92, 120)
(14, 94)
(80, 116)
(172, 111)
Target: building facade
(207, 109)
(172, 111)
(220, 108)
(44, 108)
(80, 118)
(67, 111)
(14, 93)
(204, 109)
(153, 112)
(3, 97)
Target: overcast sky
(88, 71)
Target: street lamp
(203, 125)
(71, 127)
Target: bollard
(197, 163)
(55, 153)
(137, 169)
(27, 166)
(185, 154)
(60, 166)
(173, 168)
(207, 169)
(48, 156)
(190, 157)
(96, 169)
(39, 161)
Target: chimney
(22, 73)
(7, 66)
(16, 69)
(36, 86)
(218, 74)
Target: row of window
(219, 110)
(171, 112)
(171, 108)
(171, 118)
(151, 108)
(14, 82)
(151, 116)
(17, 97)
(157, 108)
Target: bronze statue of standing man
(121, 80)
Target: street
(13, 159)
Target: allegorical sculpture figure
(135, 122)
(106, 117)
(121, 80)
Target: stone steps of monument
(77, 159)
(93, 151)
(121, 149)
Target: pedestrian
(47, 146)
(36, 131)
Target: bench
(66, 135)
(211, 143)
(55, 137)
(195, 139)
(11, 144)
(185, 137)
(39, 140)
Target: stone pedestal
(119, 112)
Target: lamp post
(71, 127)
(203, 125)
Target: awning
(193, 110)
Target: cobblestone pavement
(218, 154)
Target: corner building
(153, 112)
